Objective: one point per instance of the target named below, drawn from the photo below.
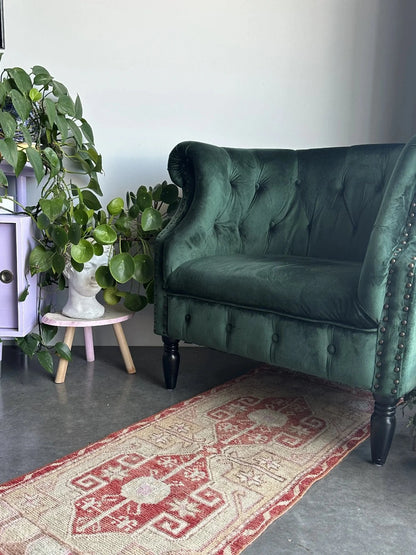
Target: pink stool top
(110, 316)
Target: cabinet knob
(6, 276)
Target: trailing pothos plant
(42, 126)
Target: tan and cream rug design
(206, 476)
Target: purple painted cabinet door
(16, 242)
(8, 281)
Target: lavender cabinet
(16, 241)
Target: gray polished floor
(357, 508)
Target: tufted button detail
(229, 328)
(187, 317)
(331, 349)
(298, 182)
(275, 337)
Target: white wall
(266, 73)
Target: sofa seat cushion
(302, 287)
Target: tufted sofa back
(319, 202)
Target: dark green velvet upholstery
(303, 259)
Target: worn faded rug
(206, 476)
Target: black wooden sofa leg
(171, 360)
(383, 424)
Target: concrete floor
(357, 508)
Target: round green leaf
(151, 220)
(77, 265)
(143, 200)
(82, 252)
(104, 277)
(105, 234)
(115, 206)
(122, 267)
(110, 296)
(98, 249)
(143, 268)
(135, 302)
(80, 216)
(169, 193)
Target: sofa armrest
(392, 232)
(215, 198)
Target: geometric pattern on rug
(205, 476)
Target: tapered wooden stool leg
(63, 364)
(124, 348)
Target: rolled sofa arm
(210, 211)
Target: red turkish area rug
(206, 476)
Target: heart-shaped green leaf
(35, 160)
(22, 105)
(45, 360)
(62, 350)
(21, 78)
(8, 124)
(52, 207)
(8, 150)
(40, 260)
(53, 161)
(90, 200)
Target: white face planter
(83, 288)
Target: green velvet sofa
(302, 259)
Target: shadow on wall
(394, 75)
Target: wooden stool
(111, 316)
